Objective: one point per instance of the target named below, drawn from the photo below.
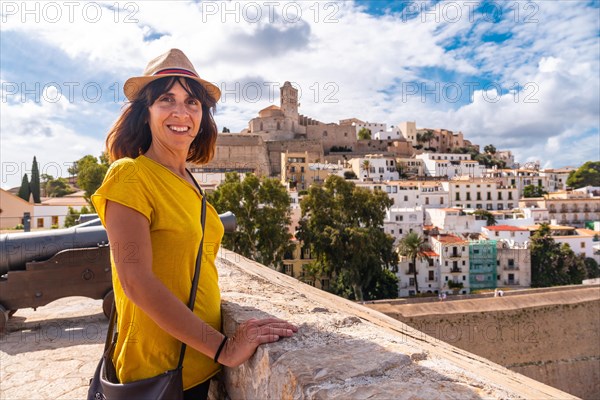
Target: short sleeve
(125, 183)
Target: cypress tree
(34, 184)
(24, 191)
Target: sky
(521, 75)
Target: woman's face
(175, 119)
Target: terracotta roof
(505, 228)
(448, 239)
(429, 253)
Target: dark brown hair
(130, 135)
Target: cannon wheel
(3, 318)
(107, 303)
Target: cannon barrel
(17, 249)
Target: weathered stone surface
(552, 336)
(346, 351)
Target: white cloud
(348, 64)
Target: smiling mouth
(179, 129)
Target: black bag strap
(111, 334)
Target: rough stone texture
(342, 350)
(551, 336)
(345, 350)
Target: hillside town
(476, 211)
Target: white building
(452, 262)
(375, 167)
(393, 133)
(557, 178)
(454, 220)
(450, 165)
(428, 278)
(374, 127)
(518, 178)
(514, 264)
(481, 193)
(400, 220)
(507, 233)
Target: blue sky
(521, 75)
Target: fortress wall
(344, 350)
(553, 337)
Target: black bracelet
(216, 359)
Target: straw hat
(171, 63)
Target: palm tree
(412, 246)
(366, 165)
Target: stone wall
(551, 336)
(344, 350)
(237, 151)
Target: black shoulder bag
(168, 385)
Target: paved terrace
(342, 350)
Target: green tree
(586, 175)
(553, 264)
(533, 191)
(412, 247)
(90, 173)
(592, 268)
(73, 215)
(364, 134)
(425, 136)
(489, 217)
(58, 187)
(25, 189)
(34, 184)
(226, 130)
(349, 175)
(384, 286)
(490, 149)
(263, 216)
(366, 166)
(343, 225)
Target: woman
(150, 206)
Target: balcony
(456, 270)
(410, 271)
(512, 282)
(511, 268)
(455, 255)
(431, 279)
(552, 211)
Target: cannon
(39, 267)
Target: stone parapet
(344, 350)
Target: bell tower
(289, 101)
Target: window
(288, 269)
(426, 200)
(40, 222)
(441, 200)
(405, 198)
(55, 220)
(583, 245)
(457, 196)
(479, 196)
(468, 196)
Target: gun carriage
(37, 268)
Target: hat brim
(134, 85)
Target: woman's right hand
(251, 334)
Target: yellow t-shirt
(172, 206)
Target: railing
(456, 270)
(431, 279)
(511, 282)
(455, 255)
(511, 268)
(410, 271)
